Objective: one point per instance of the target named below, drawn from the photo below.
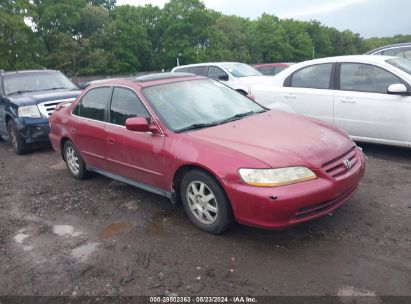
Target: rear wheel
(205, 202)
(74, 162)
(17, 141)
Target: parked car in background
(402, 50)
(271, 69)
(27, 99)
(224, 156)
(367, 96)
(238, 76)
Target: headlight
(276, 177)
(29, 111)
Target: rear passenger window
(181, 70)
(125, 104)
(267, 70)
(199, 70)
(315, 77)
(93, 104)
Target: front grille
(337, 167)
(47, 108)
(324, 206)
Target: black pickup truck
(27, 99)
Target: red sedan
(221, 154)
(271, 69)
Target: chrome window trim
(89, 119)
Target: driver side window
(124, 105)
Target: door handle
(347, 101)
(110, 140)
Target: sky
(369, 18)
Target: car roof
(273, 64)
(27, 72)
(355, 58)
(148, 80)
(389, 46)
(206, 63)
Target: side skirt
(169, 195)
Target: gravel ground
(60, 236)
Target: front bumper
(287, 206)
(34, 130)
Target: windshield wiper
(56, 88)
(238, 116)
(20, 92)
(197, 126)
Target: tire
(74, 162)
(17, 141)
(205, 202)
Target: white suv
(238, 76)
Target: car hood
(33, 98)
(280, 139)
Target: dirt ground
(60, 236)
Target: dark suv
(27, 99)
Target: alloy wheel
(72, 160)
(202, 202)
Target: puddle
(355, 292)
(65, 230)
(83, 252)
(20, 237)
(114, 229)
(59, 166)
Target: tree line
(90, 37)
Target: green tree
(185, 28)
(17, 43)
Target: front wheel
(205, 202)
(17, 141)
(74, 162)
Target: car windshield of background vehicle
(32, 82)
(402, 64)
(241, 70)
(198, 104)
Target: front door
(134, 155)
(364, 108)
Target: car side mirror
(141, 124)
(397, 89)
(223, 77)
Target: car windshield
(241, 70)
(18, 83)
(402, 64)
(198, 104)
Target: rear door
(309, 91)
(364, 108)
(135, 155)
(88, 127)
